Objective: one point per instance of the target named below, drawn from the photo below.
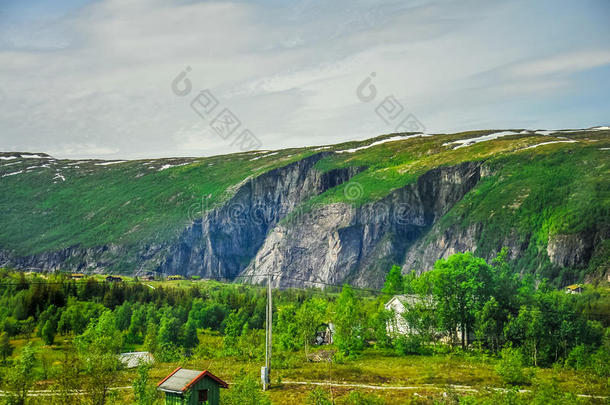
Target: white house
(398, 305)
(398, 325)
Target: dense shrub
(510, 366)
(245, 390)
(361, 398)
(318, 396)
(408, 344)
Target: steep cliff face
(319, 215)
(220, 242)
(337, 243)
(225, 239)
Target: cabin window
(203, 396)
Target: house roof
(134, 359)
(181, 379)
(574, 286)
(404, 299)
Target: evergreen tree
(190, 339)
(394, 282)
(6, 349)
(48, 332)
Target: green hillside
(539, 183)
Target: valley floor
(379, 376)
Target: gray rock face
(224, 240)
(340, 243)
(570, 250)
(263, 229)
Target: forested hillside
(60, 339)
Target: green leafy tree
(528, 329)
(461, 284)
(48, 332)
(233, 329)
(150, 341)
(123, 316)
(310, 315)
(394, 282)
(67, 378)
(98, 348)
(144, 390)
(379, 324)
(6, 349)
(349, 334)
(510, 367)
(169, 330)
(190, 339)
(135, 333)
(286, 328)
(20, 378)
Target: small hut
(191, 387)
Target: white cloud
(102, 86)
(568, 62)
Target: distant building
(134, 359)
(191, 387)
(148, 277)
(175, 277)
(113, 278)
(77, 276)
(398, 305)
(398, 324)
(574, 289)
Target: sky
(117, 79)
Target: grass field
(429, 378)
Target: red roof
(170, 374)
(194, 380)
(205, 373)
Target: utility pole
(266, 374)
(266, 370)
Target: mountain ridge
(219, 216)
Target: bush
(318, 396)
(547, 391)
(600, 362)
(360, 398)
(579, 358)
(409, 344)
(245, 390)
(510, 366)
(168, 352)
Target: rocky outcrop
(223, 242)
(266, 227)
(338, 243)
(570, 250)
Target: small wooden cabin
(191, 387)
(175, 277)
(114, 279)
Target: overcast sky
(82, 78)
